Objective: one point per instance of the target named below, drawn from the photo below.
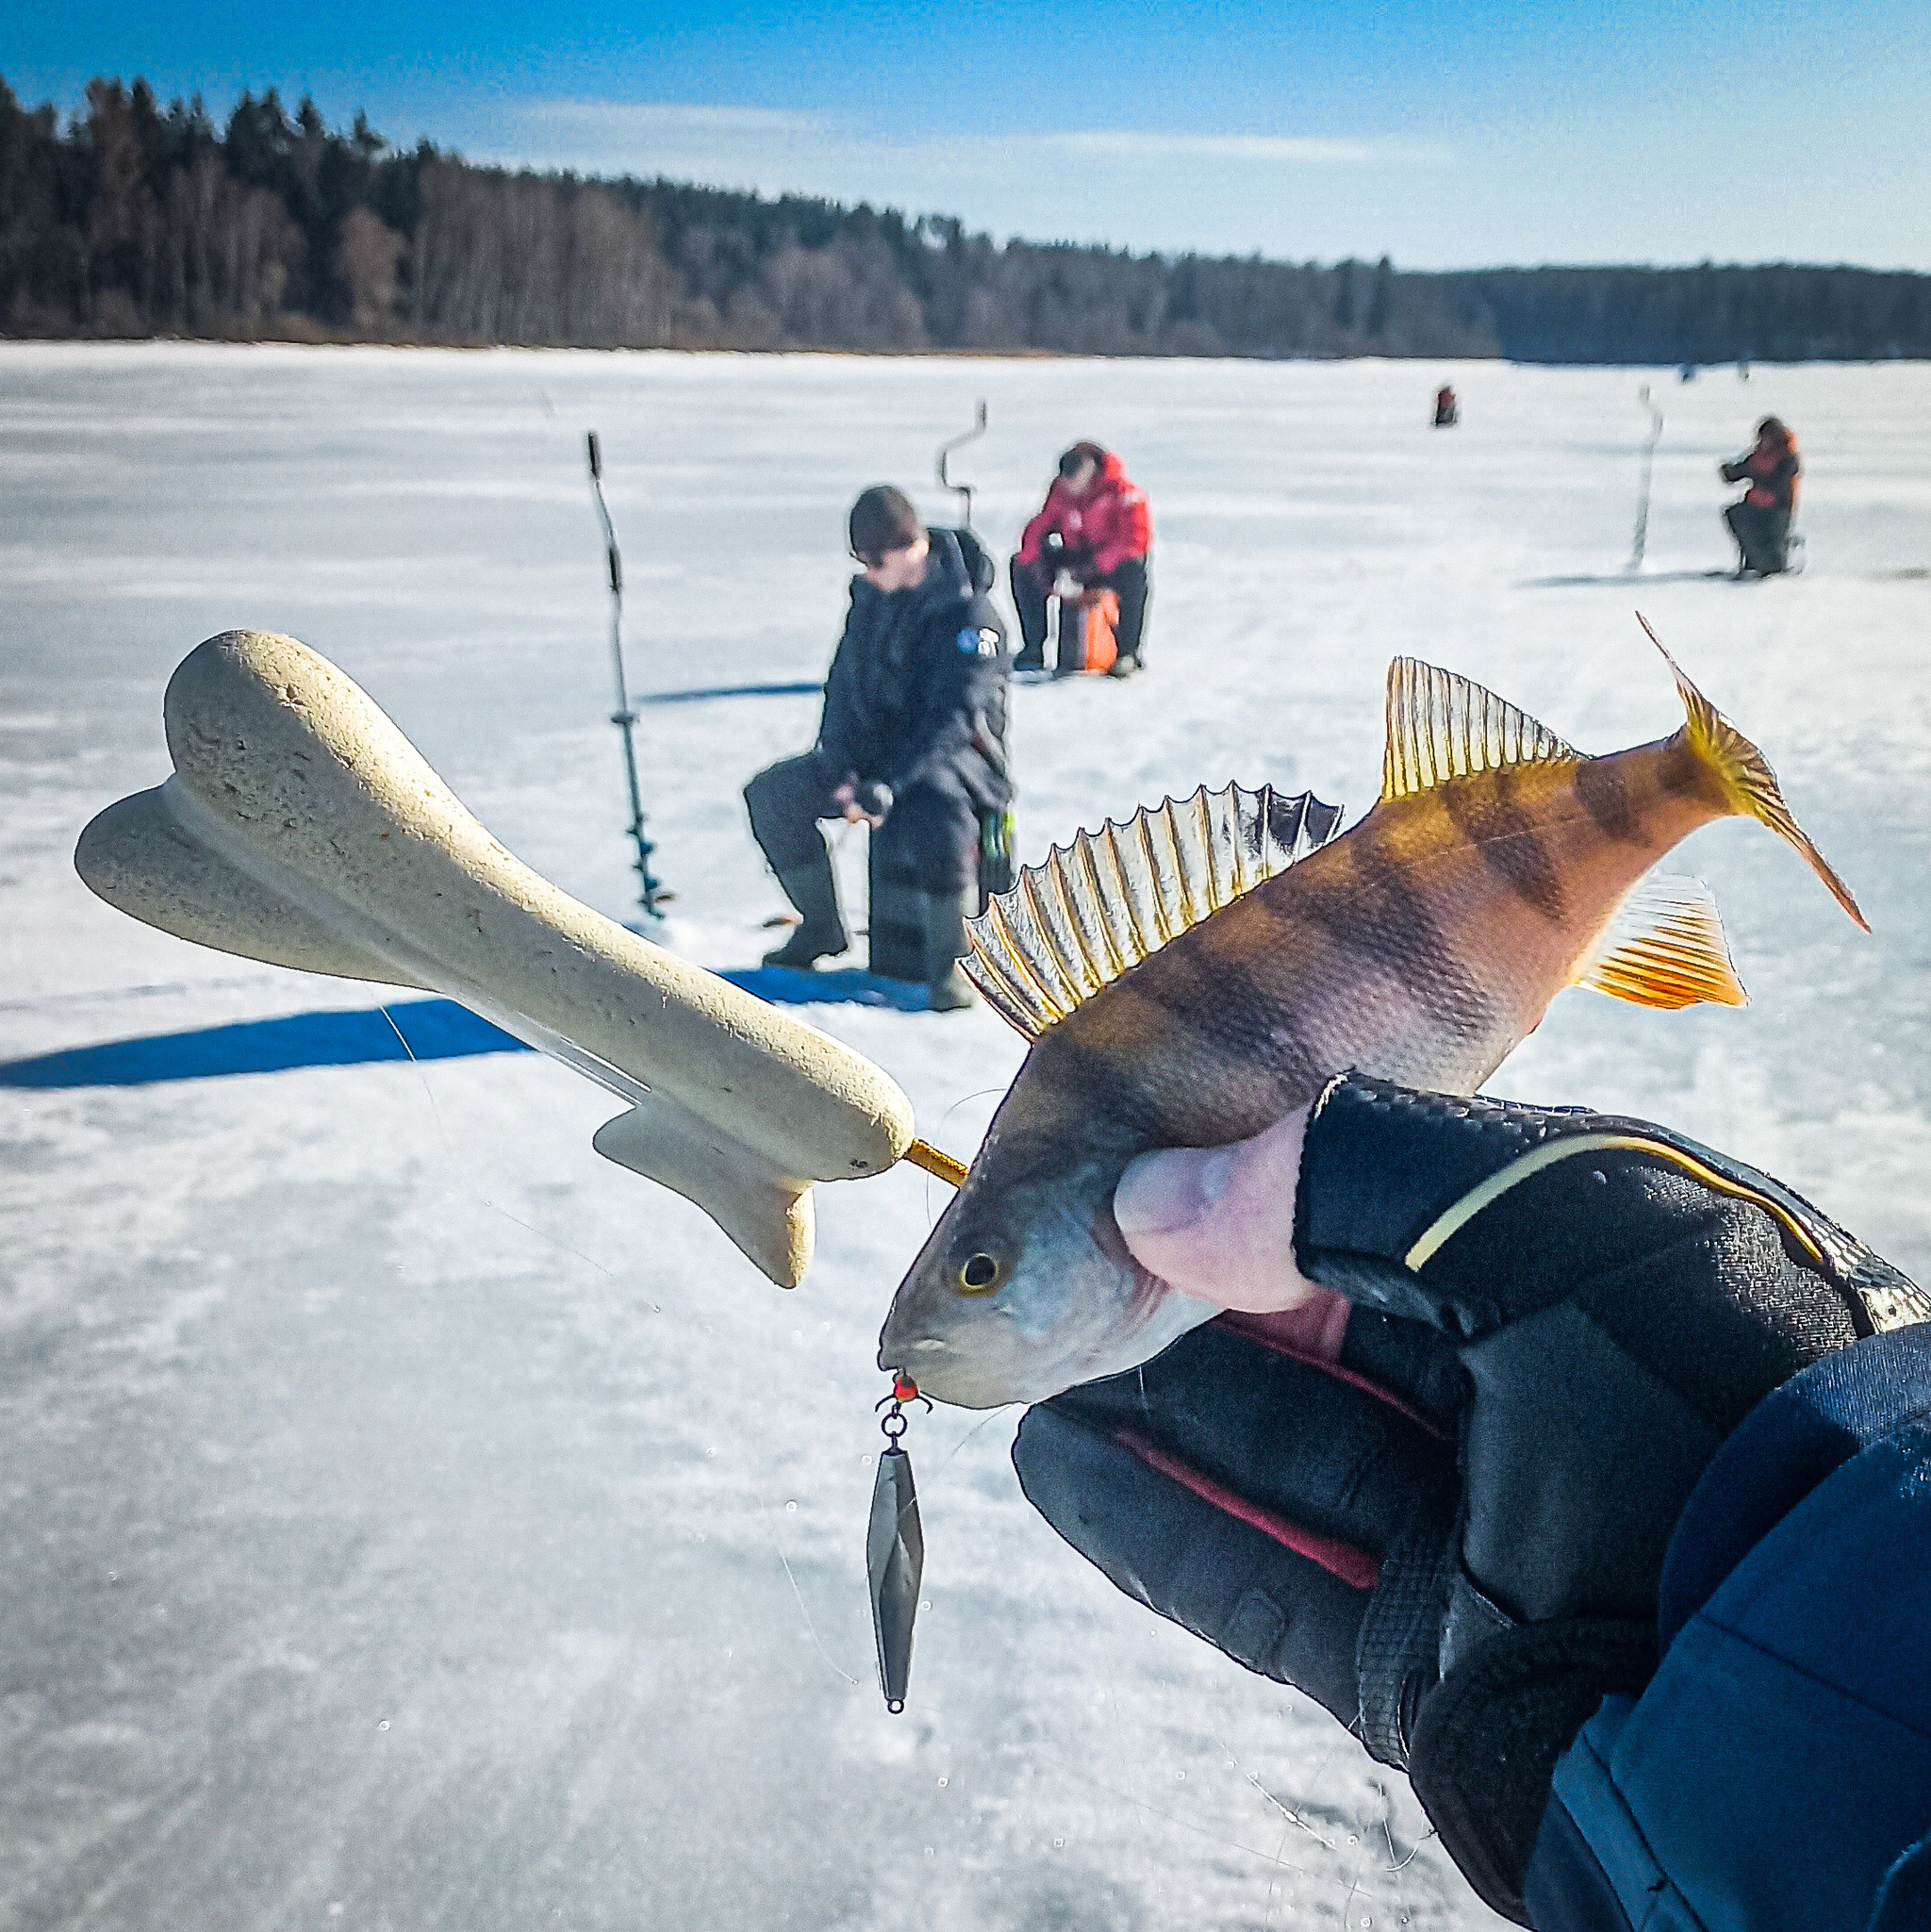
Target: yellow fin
(1665, 947)
(1745, 772)
(1101, 904)
(1442, 726)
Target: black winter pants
(936, 831)
(1763, 532)
(1033, 585)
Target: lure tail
(1747, 781)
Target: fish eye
(979, 1274)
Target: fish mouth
(966, 1373)
(988, 1357)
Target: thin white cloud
(751, 142)
(1216, 192)
(1262, 150)
(656, 120)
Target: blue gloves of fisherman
(1430, 1476)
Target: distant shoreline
(318, 339)
(136, 222)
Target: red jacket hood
(1107, 520)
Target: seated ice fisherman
(1761, 521)
(913, 732)
(1584, 1474)
(1095, 527)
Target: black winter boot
(947, 988)
(821, 931)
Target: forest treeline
(132, 219)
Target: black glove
(872, 795)
(1452, 1536)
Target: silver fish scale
(1102, 904)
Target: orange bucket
(1088, 627)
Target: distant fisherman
(914, 729)
(1096, 528)
(1761, 521)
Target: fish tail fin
(1743, 772)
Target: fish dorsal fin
(1442, 726)
(1665, 946)
(1105, 902)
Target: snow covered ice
(411, 1520)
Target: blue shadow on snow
(797, 690)
(434, 1030)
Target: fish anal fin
(1665, 947)
(1442, 726)
(1096, 908)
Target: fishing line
(1275, 1860)
(1274, 1882)
(1232, 1845)
(944, 1120)
(1292, 1816)
(811, 1627)
(462, 1192)
(1411, 1850)
(986, 1421)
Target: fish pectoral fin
(1443, 726)
(1103, 903)
(768, 1215)
(1665, 947)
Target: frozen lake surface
(410, 1520)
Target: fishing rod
(959, 442)
(1656, 431)
(624, 717)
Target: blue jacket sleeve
(1776, 1773)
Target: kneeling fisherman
(913, 729)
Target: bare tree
(366, 259)
(228, 251)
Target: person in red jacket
(1095, 527)
(1761, 521)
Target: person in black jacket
(1583, 1471)
(913, 729)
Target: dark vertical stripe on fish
(1216, 1002)
(1379, 899)
(1679, 770)
(1604, 793)
(1107, 1088)
(1484, 811)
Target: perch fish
(1189, 977)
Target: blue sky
(1451, 134)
